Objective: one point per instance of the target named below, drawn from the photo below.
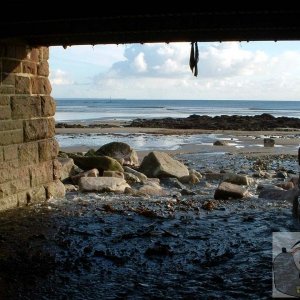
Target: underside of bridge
(29, 170)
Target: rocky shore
(223, 122)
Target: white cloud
(59, 77)
(161, 71)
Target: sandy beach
(286, 141)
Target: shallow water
(101, 246)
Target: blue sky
(231, 70)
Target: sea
(92, 110)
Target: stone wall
(27, 145)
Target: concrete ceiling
(111, 27)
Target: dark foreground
(115, 247)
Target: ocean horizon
(121, 109)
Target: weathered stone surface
(37, 194)
(10, 125)
(11, 66)
(1, 154)
(12, 187)
(40, 85)
(33, 54)
(11, 137)
(67, 167)
(4, 100)
(116, 174)
(131, 178)
(10, 152)
(29, 67)
(90, 173)
(22, 85)
(160, 164)
(38, 129)
(56, 169)
(8, 79)
(228, 190)
(5, 112)
(102, 184)
(7, 90)
(48, 106)
(119, 151)
(192, 179)
(43, 68)
(102, 163)
(214, 176)
(41, 173)
(8, 202)
(237, 179)
(151, 188)
(45, 53)
(55, 189)
(25, 107)
(48, 149)
(138, 174)
(28, 154)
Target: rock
(221, 143)
(102, 184)
(262, 186)
(67, 168)
(151, 188)
(138, 174)
(192, 178)
(90, 173)
(55, 189)
(228, 190)
(91, 152)
(237, 179)
(282, 175)
(160, 164)
(116, 174)
(119, 151)
(102, 163)
(185, 192)
(70, 188)
(275, 194)
(286, 185)
(131, 178)
(196, 173)
(295, 180)
(172, 183)
(268, 142)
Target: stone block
(11, 66)
(40, 85)
(55, 189)
(5, 112)
(33, 54)
(4, 100)
(8, 79)
(29, 67)
(48, 106)
(1, 154)
(43, 68)
(22, 85)
(11, 137)
(7, 90)
(9, 165)
(10, 125)
(45, 53)
(38, 194)
(39, 129)
(10, 152)
(41, 173)
(57, 169)
(8, 202)
(28, 154)
(12, 187)
(48, 149)
(23, 107)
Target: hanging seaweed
(194, 58)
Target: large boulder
(275, 194)
(119, 151)
(228, 190)
(160, 164)
(238, 179)
(102, 163)
(102, 184)
(141, 176)
(67, 168)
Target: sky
(227, 70)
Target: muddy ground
(107, 246)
